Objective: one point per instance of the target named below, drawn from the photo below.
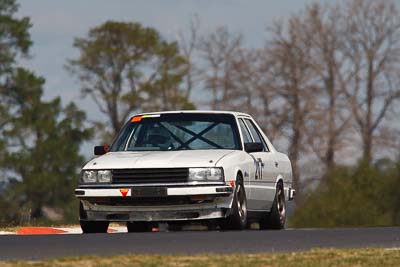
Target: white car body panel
(177, 191)
(260, 190)
(157, 159)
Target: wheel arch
(286, 187)
(278, 180)
(239, 175)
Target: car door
(262, 183)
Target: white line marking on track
(73, 231)
(7, 233)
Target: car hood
(157, 159)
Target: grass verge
(316, 257)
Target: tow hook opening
(117, 216)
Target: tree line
(39, 140)
(325, 87)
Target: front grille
(150, 176)
(154, 201)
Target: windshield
(178, 132)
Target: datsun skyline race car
(177, 167)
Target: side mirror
(253, 147)
(101, 150)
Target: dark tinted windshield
(178, 132)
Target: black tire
(175, 227)
(92, 227)
(237, 220)
(137, 227)
(277, 217)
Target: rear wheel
(136, 227)
(277, 217)
(237, 220)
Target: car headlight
(206, 174)
(104, 176)
(88, 177)
(93, 176)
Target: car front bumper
(175, 203)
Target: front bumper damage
(172, 204)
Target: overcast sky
(56, 23)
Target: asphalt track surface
(193, 242)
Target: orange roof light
(136, 119)
(140, 117)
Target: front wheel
(174, 227)
(277, 217)
(137, 227)
(91, 227)
(237, 220)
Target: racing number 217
(259, 166)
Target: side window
(245, 132)
(256, 134)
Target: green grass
(316, 257)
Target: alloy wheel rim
(241, 203)
(281, 205)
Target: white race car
(214, 167)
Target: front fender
(236, 162)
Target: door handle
(276, 164)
